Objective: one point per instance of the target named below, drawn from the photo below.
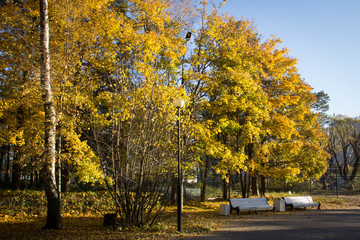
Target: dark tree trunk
(254, 186)
(31, 183)
(262, 185)
(248, 187)
(243, 184)
(7, 173)
(16, 176)
(65, 177)
(224, 189)
(249, 151)
(16, 170)
(53, 220)
(204, 183)
(2, 161)
(38, 180)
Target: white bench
(250, 204)
(300, 202)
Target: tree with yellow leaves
(132, 128)
(117, 65)
(257, 108)
(21, 108)
(292, 147)
(223, 82)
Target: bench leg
(319, 206)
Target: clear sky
(324, 35)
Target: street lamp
(188, 36)
(179, 103)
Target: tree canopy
(115, 68)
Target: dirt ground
(337, 220)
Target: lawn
(22, 214)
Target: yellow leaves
(272, 111)
(152, 10)
(287, 173)
(17, 138)
(121, 66)
(282, 127)
(230, 161)
(79, 154)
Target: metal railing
(333, 185)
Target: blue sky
(324, 35)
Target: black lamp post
(188, 36)
(179, 103)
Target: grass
(22, 214)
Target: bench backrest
(236, 202)
(306, 199)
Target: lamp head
(188, 36)
(178, 102)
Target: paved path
(310, 224)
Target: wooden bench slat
(250, 204)
(300, 202)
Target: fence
(332, 185)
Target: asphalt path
(305, 224)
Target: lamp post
(179, 103)
(187, 38)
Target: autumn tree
(116, 65)
(71, 83)
(258, 108)
(21, 106)
(51, 190)
(344, 146)
(292, 129)
(221, 83)
(132, 128)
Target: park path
(310, 224)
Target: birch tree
(53, 219)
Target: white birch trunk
(53, 206)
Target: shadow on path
(311, 224)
